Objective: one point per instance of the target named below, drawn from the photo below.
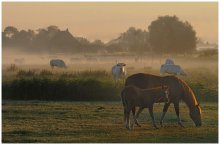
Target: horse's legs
(137, 115)
(176, 107)
(125, 116)
(128, 118)
(134, 117)
(152, 116)
(165, 108)
(133, 113)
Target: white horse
(58, 63)
(118, 71)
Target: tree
(9, 36)
(168, 34)
(11, 31)
(133, 40)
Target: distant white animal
(172, 69)
(58, 63)
(118, 71)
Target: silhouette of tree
(8, 36)
(52, 28)
(64, 41)
(24, 38)
(168, 34)
(10, 31)
(133, 40)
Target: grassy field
(48, 113)
(88, 85)
(100, 122)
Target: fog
(79, 62)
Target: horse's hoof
(127, 127)
(138, 125)
(136, 122)
(180, 124)
(161, 124)
(156, 127)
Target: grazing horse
(178, 90)
(144, 98)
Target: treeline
(166, 34)
(54, 40)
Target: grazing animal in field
(119, 71)
(144, 98)
(171, 69)
(57, 63)
(178, 90)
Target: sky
(107, 20)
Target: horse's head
(195, 114)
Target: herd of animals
(119, 71)
(143, 90)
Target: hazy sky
(107, 20)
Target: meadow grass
(95, 85)
(100, 122)
(90, 121)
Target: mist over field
(27, 54)
(59, 85)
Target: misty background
(165, 35)
(100, 32)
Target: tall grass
(85, 86)
(90, 85)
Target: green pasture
(79, 105)
(100, 122)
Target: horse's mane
(188, 92)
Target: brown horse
(178, 90)
(145, 98)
